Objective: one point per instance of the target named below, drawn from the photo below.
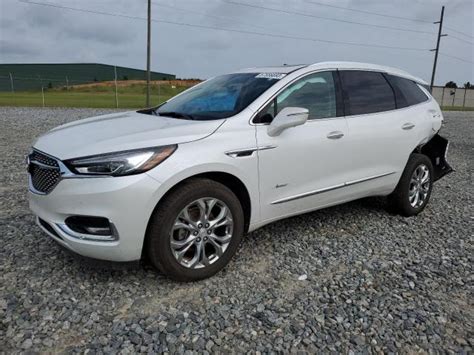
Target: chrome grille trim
(44, 172)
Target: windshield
(220, 97)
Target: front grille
(44, 172)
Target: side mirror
(288, 117)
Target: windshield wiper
(177, 115)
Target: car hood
(121, 131)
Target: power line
(217, 17)
(263, 34)
(460, 39)
(324, 18)
(387, 16)
(459, 32)
(227, 18)
(369, 12)
(457, 58)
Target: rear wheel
(414, 188)
(195, 231)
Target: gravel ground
(375, 282)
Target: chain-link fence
(52, 92)
(80, 85)
(454, 97)
(67, 90)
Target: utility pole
(436, 50)
(148, 55)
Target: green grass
(457, 108)
(132, 96)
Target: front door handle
(335, 135)
(408, 126)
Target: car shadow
(363, 207)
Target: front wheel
(195, 231)
(414, 188)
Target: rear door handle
(408, 126)
(335, 135)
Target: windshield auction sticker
(276, 76)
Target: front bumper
(127, 202)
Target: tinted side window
(407, 92)
(315, 92)
(366, 92)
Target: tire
(403, 199)
(168, 236)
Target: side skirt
(331, 188)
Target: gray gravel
(375, 282)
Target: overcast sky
(30, 33)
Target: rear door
(381, 137)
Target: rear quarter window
(407, 92)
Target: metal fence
(119, 91)
(454, 97)
(55, 90)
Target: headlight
(121, 163)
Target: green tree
(468, 85)
(451, 84)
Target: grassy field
(131, 94)
(457, 108)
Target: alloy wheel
(201, 233)
(419, 187)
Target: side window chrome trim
(285, 87)
(430, 97)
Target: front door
(303, 167)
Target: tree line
(453, 85)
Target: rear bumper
(437, 150)
(127, 202)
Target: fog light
(89, 228)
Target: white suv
(183, 182)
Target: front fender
(200, 158)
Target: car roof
(367, 66)
(286, 69)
